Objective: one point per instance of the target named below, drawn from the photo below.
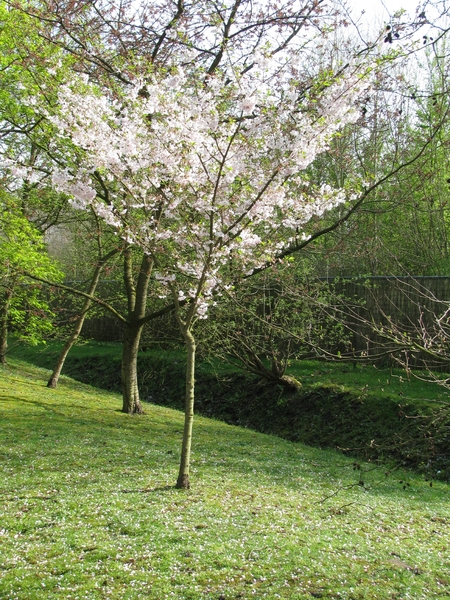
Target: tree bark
(183, 475)
(137, 304)
(131, 403)
(4, 311)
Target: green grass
(371, 413)
(371, 381)
(88, 509)
(365, 379)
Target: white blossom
(192, 183)
(247, 105)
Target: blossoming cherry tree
(205, 173)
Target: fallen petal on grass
(89, 509)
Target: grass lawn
(88, 509)
(366, 379)
(373, 413)
(372, 381)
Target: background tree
(101, 260)
(402, 227)
(24, 308)
(273, 318)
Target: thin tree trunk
(53, 381)
(131, 403)
(183, 475)
(4, 311)
(137, 303)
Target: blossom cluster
(202, 172)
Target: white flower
(247, 105)
(60, 178)
(82, 191)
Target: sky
(373, 15)
(379, 12)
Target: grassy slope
(372, 413)
(88, 511)
(365, 379)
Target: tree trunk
(183, 475)
(53, 381)
(4, 311)
(137, 302)
(131, 403)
